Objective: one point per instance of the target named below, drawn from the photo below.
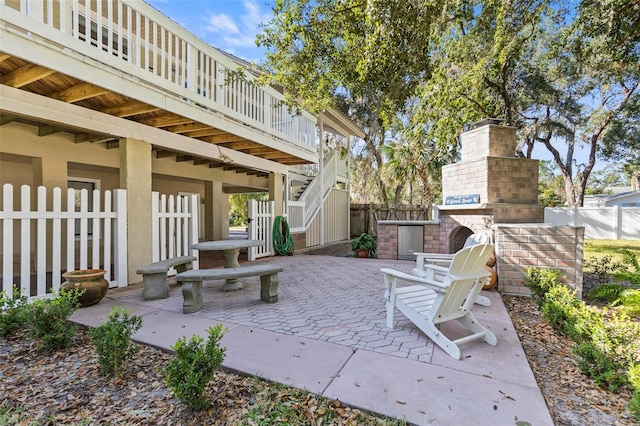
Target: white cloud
(222, 23)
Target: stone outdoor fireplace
(490, 190)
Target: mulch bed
(572, 398)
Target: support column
(276, 190)
(216, 211)
(135, 177)
(321, 177)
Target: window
(79, 184)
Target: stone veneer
(545, 246)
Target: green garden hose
(282, 241)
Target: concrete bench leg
(269, 288)
(192, 294)
(155, 286)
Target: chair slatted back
(466, 268)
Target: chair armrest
(434, 285)
(432, 258)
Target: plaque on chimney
(456, 200)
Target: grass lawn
(602, 256)
(601, 248)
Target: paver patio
(330, 320)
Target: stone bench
(192, 282)
(154, 275)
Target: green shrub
(603, 267)
(112, 340)
(611, 350)
(629, 301)
(562, 310)
(631, 270)
(193, 366)
(633, 375)
(540, 281)
(12, 312)
(48, 319)
(606, 292)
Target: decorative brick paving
(333, 299)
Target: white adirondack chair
(444, 260)
(429, 302)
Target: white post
(194, 225)
(25, 245)
(617, 222)
(321, 177)
(120, 239)
(41, 241)
(56, 237)
(7, 241)
(155, 227)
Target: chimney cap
(486, 122)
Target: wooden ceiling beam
(24, 75)
(183, 158)
(245, 144)
(79, 92)
(4, 57)
(130, 109)
(201, 161)
(165, 120)
(224, 139)
(184, 128)
(48, 130)
(91, 137)
(113, 144)
(165, 154)
(6, 119)
(211, 131)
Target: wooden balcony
(125, 59)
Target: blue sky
(229, 25)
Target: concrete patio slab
(424, 394)
(327, 334)
(299, 362)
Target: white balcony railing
(140, 36)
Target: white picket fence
(40, 244)
(261, 214)
(49, 242)
(174, 225)
(600, 223)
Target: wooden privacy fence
(365, 217)
(91, 232)
(174, 225)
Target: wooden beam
(129, 109)
(239, 145)
(113, 144)
(182, 158)
(4, 57)
(184, 128)
(6, 119)
(201, 161)
(211, 131)
(256, 151)
(25, 75)
(48, 130)
(165, 120)
(165, 154)
(226, 138)
(91, 137)
(79, 93)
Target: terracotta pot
(90, 280)
(362, 253)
